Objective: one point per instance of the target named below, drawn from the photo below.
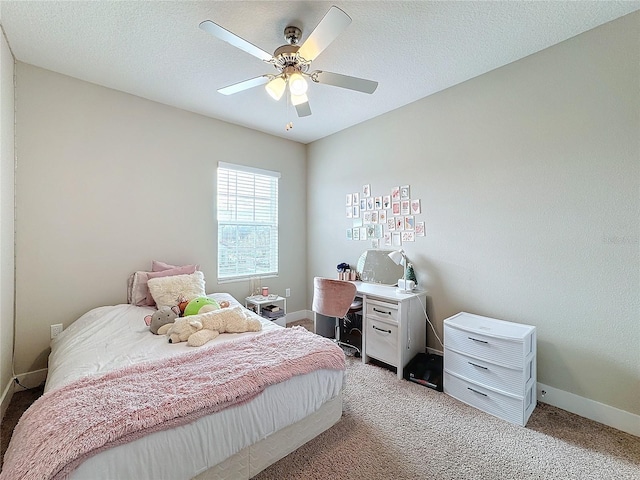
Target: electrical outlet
(56, 330)
(287, 292)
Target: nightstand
(257, 303)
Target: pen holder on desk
(347, 275)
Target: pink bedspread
(67, 425)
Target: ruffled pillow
(170, 290)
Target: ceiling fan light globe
(275, 88)
(297, 84)
(298, 99)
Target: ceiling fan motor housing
(286, 57)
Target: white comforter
(108, 338)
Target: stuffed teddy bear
(198, 329)
(162, 319)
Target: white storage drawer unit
(491, 365)
(394, 327)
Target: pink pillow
(157, 266)
(140, 294)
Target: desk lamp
(399, 257)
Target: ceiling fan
(293, 62)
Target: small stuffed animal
(160, 322)
(197, 330)
(203, 305)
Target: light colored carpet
(306, 323)
(394, 429)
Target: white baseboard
(599, 412)
(31, 379)
(299, 315)
(7, 394)
(27, 380)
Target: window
(247, 222)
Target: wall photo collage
(385, 220)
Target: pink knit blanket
(65, 426)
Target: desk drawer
(514, 410)
(382, 310)
(503, 351)
(510, 380)
(382, 341)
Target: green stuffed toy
(200, 305)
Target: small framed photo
(399, 223)
(420, 232)
(374, 217)
(396, 239)
(408, 237)
(363, 204)
(366, 190)
(410, 222)
(375, 243)
(405, 192)
(386, 240)
(370, 203)
(391, 223)
(371, 231)
(349, 234)
(415, 207)
(382, 216)
(386, 202)
(378, 203)
(378, 231)
(356, 198)
(405, 207)
(363, 233)
(357, 222)
(395, 194)
(395, 208)
(356, 211)
(349, 199)
(367, 217)
(349, 212)
(356, 234)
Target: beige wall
(529, 178)
(6, 216)
(108, 182)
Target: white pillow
(169, 291)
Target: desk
(393, 324)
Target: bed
(235, 442)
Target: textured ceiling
(413, 49)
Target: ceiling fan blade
(303, 109)
(344, 81)
(245, 85)
(331, 25)
(231, 38)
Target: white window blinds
(247, 222)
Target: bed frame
(253, 459)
